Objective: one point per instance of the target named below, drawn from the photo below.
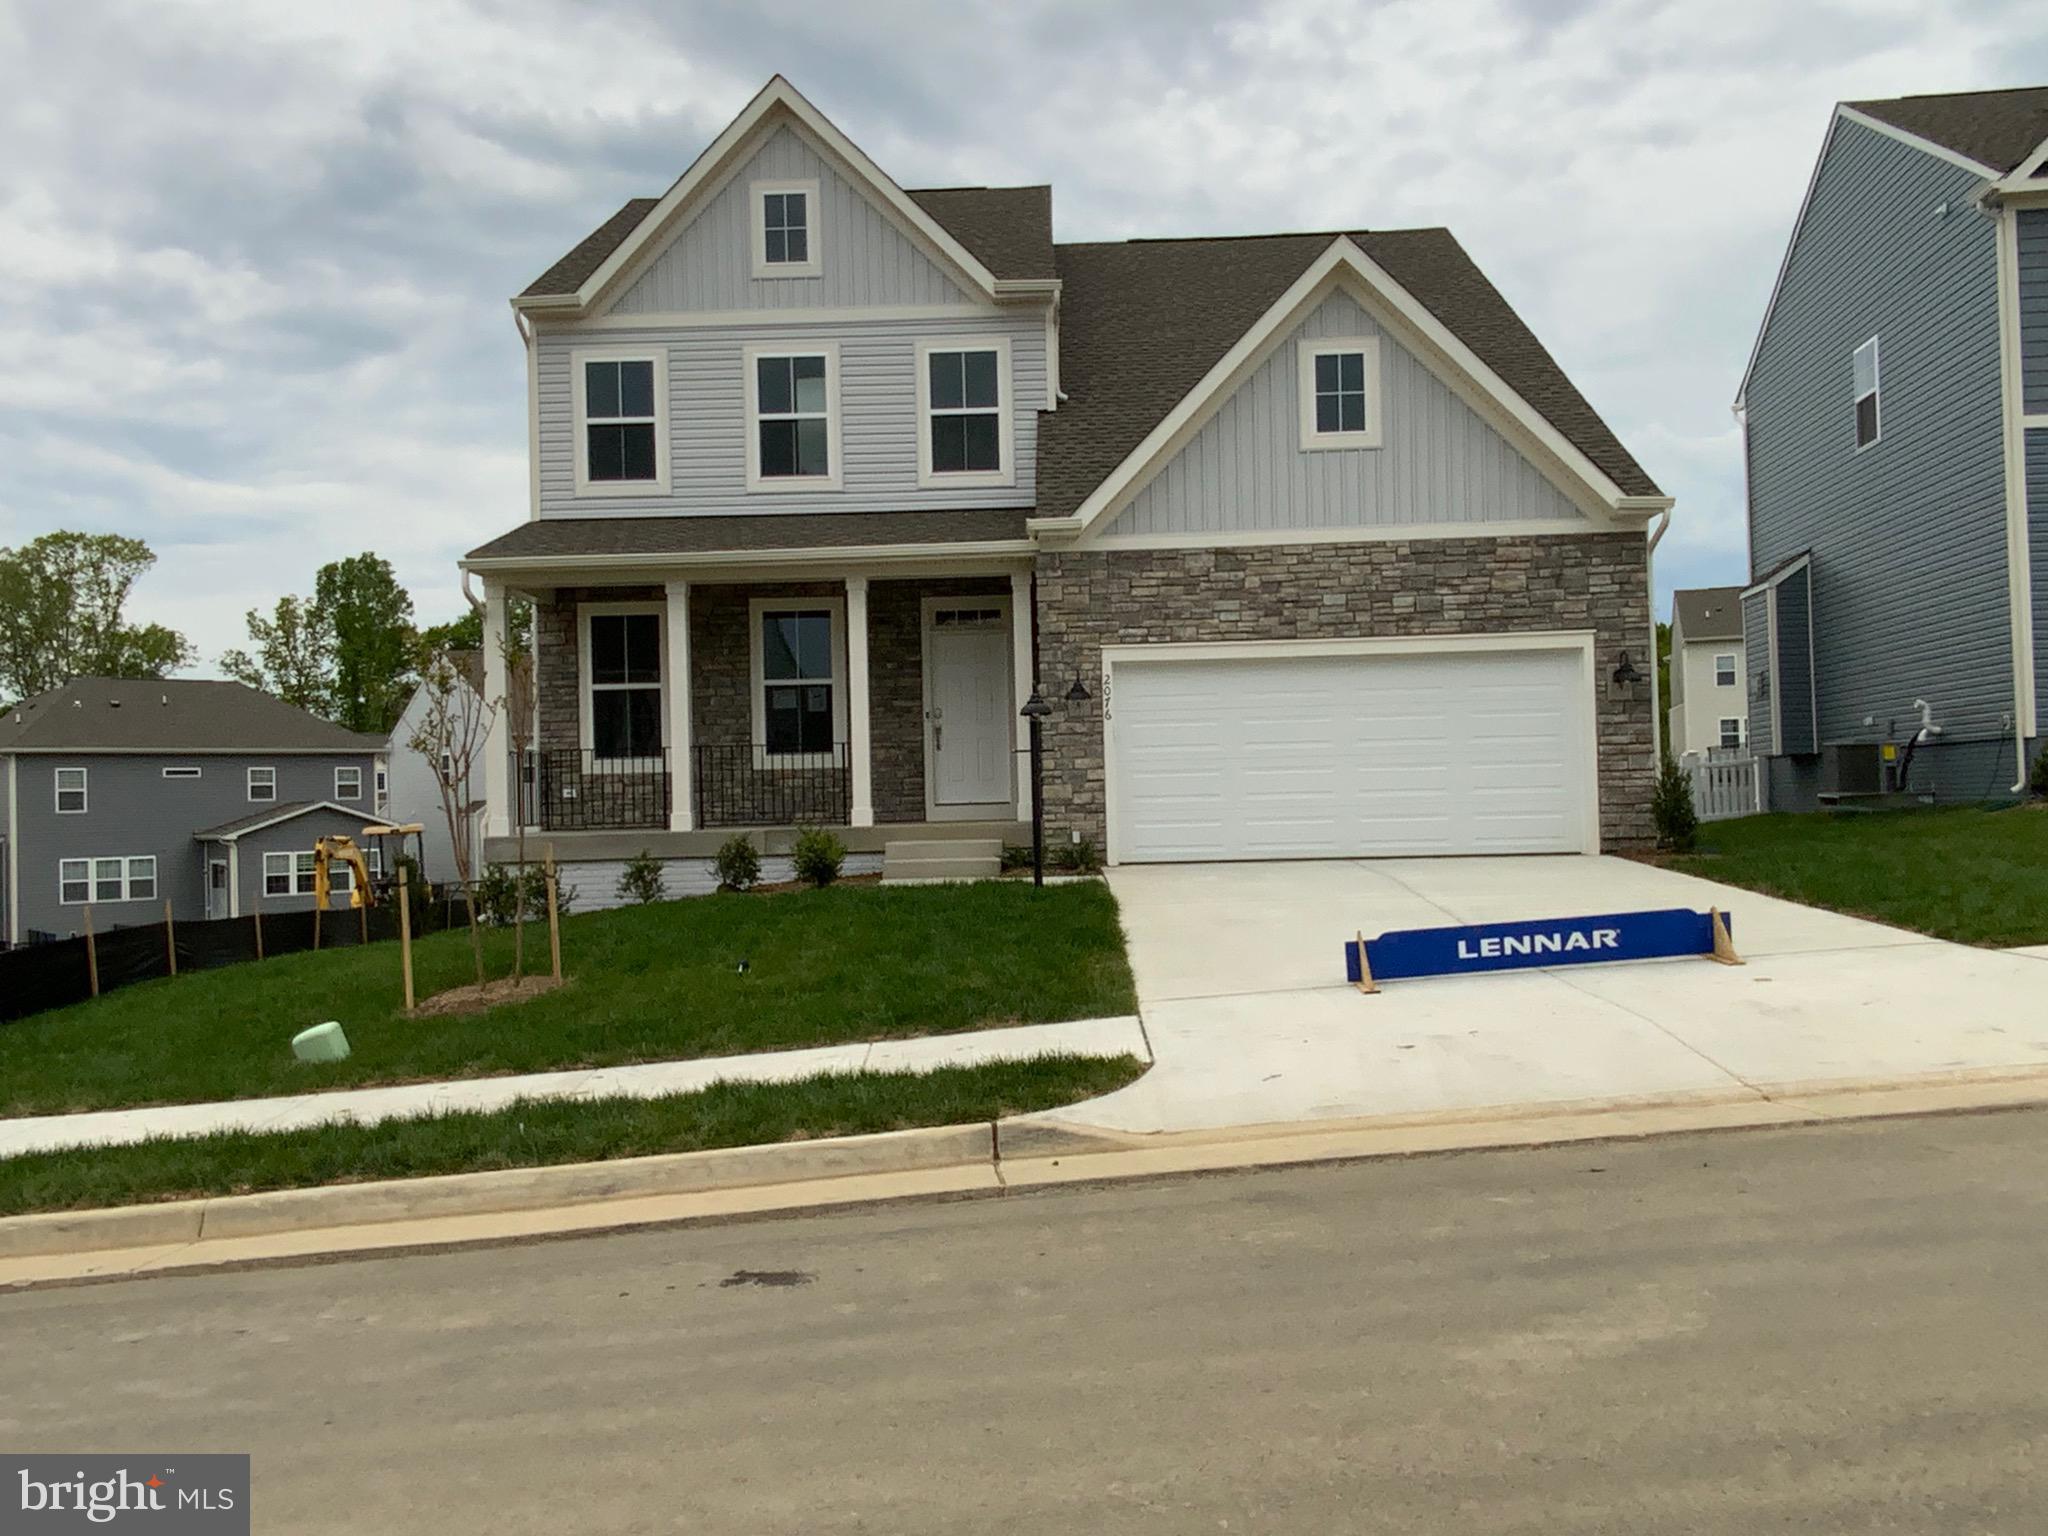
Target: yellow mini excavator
(328, 849)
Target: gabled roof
(589, 253)
(270, 816)
(1998, 130)
(1144, 321)
(1707, 613)
(111, 714)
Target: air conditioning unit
(1852, 768)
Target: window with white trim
(797, 664)
(790, 398)
(181, 773)
(1864, 369)
(290, 874)
(74, 881)
(786, 229)
(142, 878)
(70, 791)
(1341, 405)
(1724, 670)
(262, 784)
(446, 767)
(621, 432)
(961, 390)
(622, 653)
(1731, 731)
(348, 783)
(106, 880)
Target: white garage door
(1336, 756)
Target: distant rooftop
(113, 714)
(1998, 129)
(1708, 613)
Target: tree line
(349, 651)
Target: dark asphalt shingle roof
(551, 536)
(1008, 230)
(1995, 128)
(110, 714)
(271, 815)
(1143, 320)
(1708, 613)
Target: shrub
(497, 896)
(1076, 858)
(817, 856)
(2037, 781)
(1016, 856)
(640, 881)
(536, 891)
(737, 863)
(1678, 823)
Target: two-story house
(1307, 542)
(1895, 432)
(1709, 704)
(121, 795)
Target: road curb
(959, 1161)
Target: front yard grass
(1969, 874)
(654, 983)
(534, 1133)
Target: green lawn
(651, 983)
(532, 1134)
(1969, 874)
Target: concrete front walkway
(1241, 986)
(650, 1080)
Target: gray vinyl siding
(295, 837)
(1756, 647)
(2037, 549)
(707, 414)
(1794, 682)
(864, 256)
(2033, 242)
(133, 811)
(1909, 578)
(1246, 470)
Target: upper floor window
(621, 422)
(1341, 406)
(262, 783)
(1724, 670)
(786, 229)
(70, 791)
(1868, 424)
(966, 433)
(793, 417)
(348, 783)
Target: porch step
(953, 858)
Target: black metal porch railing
(577, 791)
(740, 785)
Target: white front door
(968, 731)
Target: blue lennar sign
(1545, 942)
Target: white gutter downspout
(2018, 556)
(1656, 693)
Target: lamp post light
(1037, 711)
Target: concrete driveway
(1241, 988)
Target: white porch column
(681, 763)
(860, 745)
(1021, 672)
(497, 739)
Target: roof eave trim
(777, 95)
(1919, 142)
(1343, 254)
(1028, 287)
(839, 554)
(1799, 562)
(278, 820)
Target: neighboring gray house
(1895, 426)
(1709, 702)
(123, 795)
(828, 478)
(417, 777)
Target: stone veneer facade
(1091, 598)
(721, 706)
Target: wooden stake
(92, 954)
(554, 917)
(170, 937)
(1365, 983)
(257, 913)
(1724, 946)
(318, 904)
(405, 935)
(363, 924)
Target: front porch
(668, 714)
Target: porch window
(798, 680)
(960, 395)
(792, 401)
(624, 651)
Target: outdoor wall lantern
(1625, 674)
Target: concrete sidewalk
(1240, 984)
(368, 1106)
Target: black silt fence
(45, 976)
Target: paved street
(1835, 1329)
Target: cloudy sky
(256, 254)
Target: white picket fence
(1724, 785)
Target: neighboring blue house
(1895, 431)
(120, 795)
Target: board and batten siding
(2033, 275)
(1246, 470)
(1908, 536)
(865, 258)
(707, 416)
